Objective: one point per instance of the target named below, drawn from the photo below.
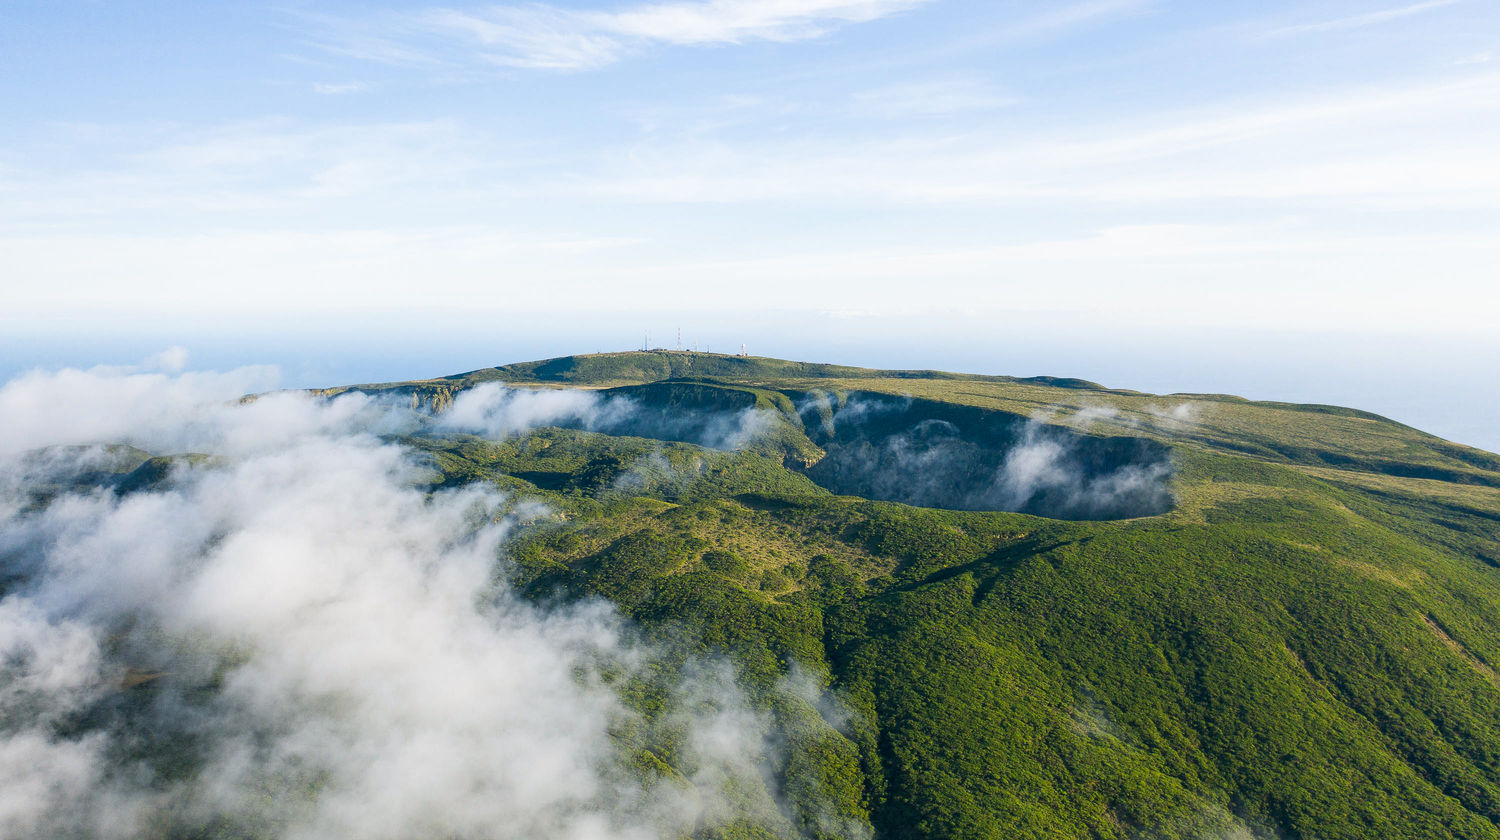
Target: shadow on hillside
(940, 455)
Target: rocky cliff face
(432, 398)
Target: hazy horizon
(1389, 374)
(1291, 201)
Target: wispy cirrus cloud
(1412, 146)
(267, 165)
(547, 37)
(1361, 20)
(1421, 145)
(338, 88)
(1077, 14)
(928, 99)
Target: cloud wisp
(1077, 14)
(496, 411)
(1410, 145)
(302, 639)
(906, 451)
(547, 37)
(1360, 21)
(928, 99)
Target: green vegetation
(1310, 435)
(1305, 646)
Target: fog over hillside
(930, 455)
(296, 639)
(679, 595)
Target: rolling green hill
(1312, 435)
(1301, 643)
(1105, 614)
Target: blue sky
(1287, 200)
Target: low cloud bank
(1174, 417)
(298, 640)
(497, 411)
(494, 410)
(933, 455)
(1051, 472)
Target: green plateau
(1285, 624)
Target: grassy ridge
(1310, 435)
(1307, 645)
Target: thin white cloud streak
(1361, 20)
(322, 162)
(339, 88)
(544, 37)
(1418, 146)
(1175, 272)
(1069, 17)
(1153, 273)
(733, 21)
(276, 273)
(247, 167)
(1422, 145)
(928, 99)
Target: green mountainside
(1228, 619)
(1311, 435)
(1303, 644)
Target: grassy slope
(1305, 647)
(1311, 435)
